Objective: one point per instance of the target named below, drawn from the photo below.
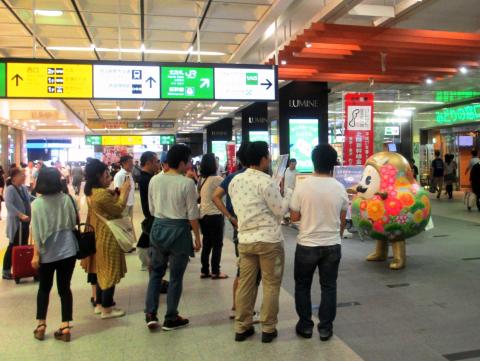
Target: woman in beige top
(109, 259)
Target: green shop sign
(448, 96)
(465, 113)
(167, 139)
(93, 139)
(187, 83)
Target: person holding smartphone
(125, 175)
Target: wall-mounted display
(303, 138)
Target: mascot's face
(370, 183)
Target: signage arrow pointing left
(17, 77)
(150, 81)
(268, 84)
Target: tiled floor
(205, 302)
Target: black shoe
(177, 323)
(8, 277)
(325, 335)
(152, 321)
(240, 337)
(269, 337)
(305, 333)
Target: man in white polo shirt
(320, 204)
(259, 205)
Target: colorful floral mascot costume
(390, 206)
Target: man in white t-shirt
(291, 174)
(473, 161)
(126, 162)
(320, 204)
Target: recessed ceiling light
(429, 81)
(48, 12)
(138, 117)
(119, 117)
(308, 44)
(283, 62)
(463, 70)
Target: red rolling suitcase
(22, 261)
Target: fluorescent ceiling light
(133, 50)
(463, 70)
(227, 108)
(48, 12)
(219, 113)
(402, 112)
(407, 102)
(118, 109)
(203, 121)
(210, 118)
(429, 81)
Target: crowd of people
(184, 208)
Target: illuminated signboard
(303, 138)
(244, 84)
(464, 113)
(255, 136)
(52, 80)
(93, 139)
(448, 96)
(392, 131)
(126, 82)
(3, 74)
(167, 139)
(122, 140)
(219, 148)
(187, 83)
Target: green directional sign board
(167, 139)
(187, 83)
(93, 140)
(3, 72)
(461, 114)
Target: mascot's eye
(368, 180)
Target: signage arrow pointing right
(150, 81)
(268, 84)
(17, 77)
(205, 82)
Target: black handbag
(85, 237)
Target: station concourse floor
(429, 311)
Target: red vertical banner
(359, 135)
(231, 157)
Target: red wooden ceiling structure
(346, 53)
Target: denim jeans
(160, 260)
(307, 260)
(105, 297)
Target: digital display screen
(392, 147)
(126, 82)
(255, 136)
(219, 148)
(187, 83)
(93, 139)
(303, 138)
(53, 80)
(244, 84)
(167, 139)
(465, 141)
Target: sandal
(40, 334)
(205, 275)
(220, 276)
(62, 336)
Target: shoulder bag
(200, 186)
(85, 238)
(122, 230)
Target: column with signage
(255, 122)
(218, 135)
(303, 113)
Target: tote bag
(122, 229)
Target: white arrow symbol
(205, 82)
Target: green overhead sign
(448, 96)
(3, 81)
(461, 114)
(167, 139)
(187, 83)
(93, 139)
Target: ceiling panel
(13, 30)
(225, 38)
(112, 20)
(174, 7)
(15, 42)
(54, 31)
(6, 16)
(77, 42)
(63, 5)
(101, 32)
(225, 10)
(110, 6)
(68, 18)
(163, 35)
(228, 26)
(80, 55)
(170, 23)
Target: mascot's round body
(390, 206)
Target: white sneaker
(116, 312)
(98, 310)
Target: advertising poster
(359, 134)
(231, 157)
(303, 138)
(112, 154)
(219, 148)
(349, 175)
(255, 136)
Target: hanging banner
(359, 134)
(231, 157)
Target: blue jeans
(307, 260)
(160, 260)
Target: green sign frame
(3, 80)
(186, 83)
(93, 140)
(460, 114)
